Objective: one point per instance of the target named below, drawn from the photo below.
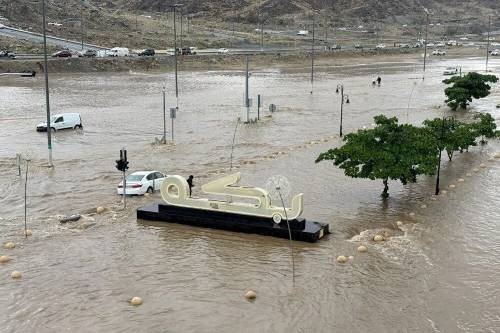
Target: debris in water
(72, 218)
(100, 210)
(9, 245)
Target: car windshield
(135, 178)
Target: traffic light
(122, 163)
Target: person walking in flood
(379, 80)
(190, 183)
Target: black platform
(302, 230)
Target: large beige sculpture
(175, 189)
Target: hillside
(141, 23)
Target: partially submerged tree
(389, 151)
(464, 88)
(485, 127)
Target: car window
(159, 175)
(135, 178)
(150, 176)
(59, 120)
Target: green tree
(452, 135)
(485, 127)
(464, 88)
(389, 151)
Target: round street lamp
(440, 147)
(344, 99)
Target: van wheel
(150, 190)
(52, 129)
(78, 126)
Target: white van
(62, 121)
(119, 52)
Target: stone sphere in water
(444, 192)
(250, 294)
(378, 238)
(468, 174)
(475, 169)
(15, 275)
(136, 301)
(461, 180)
(28, 232)
(451, 186)
(4, 259)
(9, 245)
(99, 210)
(362, 248)
(412, 214)
(482, 165)
(423, 206)
(399, 223)
(341, 259)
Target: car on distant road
(62, 54)
(147, 53)
(358, 46)
(380, 46)
(222, 51)
(431, 45)
(7, 54)
(404, 46)
(141, 182)
(438, 52)
(119, 52)
(188, 51)
(62, 121)
(88, 54)
(335, 47)
(440, 44)
(495, 53)
(450, 71)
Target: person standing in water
(379, 80)
(190, 183)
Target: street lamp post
(46, 71)
(344, 98)
(440, 149)
(488, 43)
(164, 119)
(81, 22)
(312, 51)
(426, 36)
(174, 6)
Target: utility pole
(488, 43)
(81, 21)
(247, 100)
(261, 28)
(426, 36)
(46, 71)
(181, 34)
(175, 52)
(326, 31)
(164, 119)
(312, 53)
(340, 88)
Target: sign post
(173, 115)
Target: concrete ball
(341, 259)
(250, 294)
(28, 232)
(423, 206)
(362, 248)
(482, 165)
(378, 238)
(100, 210)
(468, 174)
(15, 275)
(497, 155)
(4, 259)
(475, 169)
(433, 198)
(9, 245)
(136, 301)
(399, 223)
(451, 186)
(443, 192)
(461, 180)
(412, 214)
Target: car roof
(66, 114)
(143, 173)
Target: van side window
(59, 120)
(159, 175)
(150, 176)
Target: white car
(119, 52)
(450, 71)
(380, 46)
(2, 26)
(62, 121)
(495, 53)
(141, 182)
(222, 51)
(440, 44)
(438, 52)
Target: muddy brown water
(436, 273)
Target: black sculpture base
(301, 229)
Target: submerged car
(450, 71)
(141, 182)
(438, 52)
(62, 121)
(7, 54)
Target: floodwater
(436, 273)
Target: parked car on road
(89, 54)
(404, 46)
(380, 46)
(358, 46)
(62, 54)
(141, 182)
(495, 53)
(222, 51)
(147, 53)
(438, 52)
(62, 121)
(335, 47)
(188, 51)
(450, 71)
(7, 54)
(119, 52)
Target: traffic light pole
(124, 189)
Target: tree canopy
(389, 151)
(464, 88)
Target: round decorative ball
(28, 232)
(4, 259)
(250, 294)
(451, 186)
(341, 259)
(399, 223)
(15, 275)
(9, 245)
(461, 180)
(362, 248)
(136, 301)
(378, 238)
(100, 210)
